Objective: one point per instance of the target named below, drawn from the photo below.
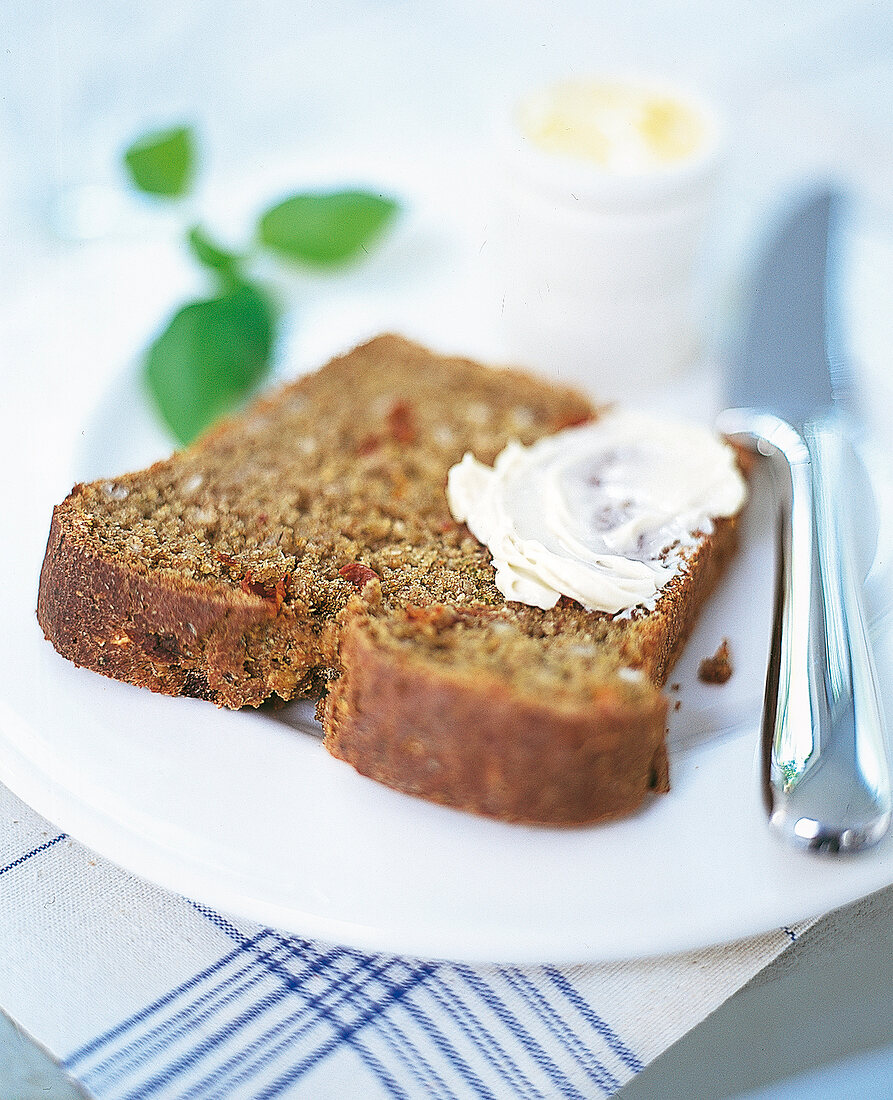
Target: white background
(267, 78)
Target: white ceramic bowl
(597, 265)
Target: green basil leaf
(163, 162)
(208, 253)
(325, 229)
(211, 355)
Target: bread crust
(476, 745)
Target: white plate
(248, 814)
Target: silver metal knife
(826, 777)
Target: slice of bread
(305, 548)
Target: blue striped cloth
(141, 993)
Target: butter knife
(825, 772)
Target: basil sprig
(216, 350)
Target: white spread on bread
(600, 512)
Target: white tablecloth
(139, 993)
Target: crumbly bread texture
(718, 668)
(305, 549)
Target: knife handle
(826, 781)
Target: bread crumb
(718, 668)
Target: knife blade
(825, 773)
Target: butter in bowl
(604, 192)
